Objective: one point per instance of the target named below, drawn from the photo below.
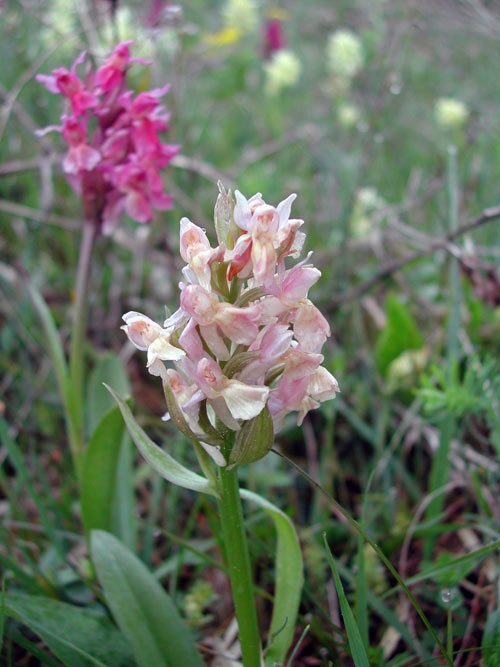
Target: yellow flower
(282, 71)
(224, 37)
(344, 54)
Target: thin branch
(27, 164)
(395, 265)
(202, 168)
(39, 216)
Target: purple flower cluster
(114, 152)
(246, 338)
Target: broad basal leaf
(142, 609)
(77, 636)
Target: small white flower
(348, 115)
(282, 71)
(367, 203)
(344, 54)
(240, 15)
(450, 113)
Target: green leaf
(77, 636)
(122, 522)
(358, 651)
(163, 463)
(450, 572)
(143, 610)
(100, 472)
(125, 520)
(491, 640)
(289, 577)
(400, 334)
(108, 369)
(54, 343)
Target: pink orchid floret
(247, 339)
(115, 153)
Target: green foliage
(358, 649)
(143, 610)
(100, 472)
(78, 637)
(288, 581)
(163, 463)
(98, 401)
(491, 640)
(400, 334)
(449, 571)
(471, 391)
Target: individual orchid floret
(115, 153)
(110, 76)
(148, 335)
(239, 325)
(243, 401)
(195, 249)
(80, 156)
(69, 84)
(310, 327)
(246, 341)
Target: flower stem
(238, 562)
(76, 358)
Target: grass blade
(358, 650)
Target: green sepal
(254, 440)
(226, 230)
(252, 294)
(238, 362)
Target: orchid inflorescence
(246, 340)
(114, 151)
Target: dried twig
(394, 265)
(39, 216)
(27, 164)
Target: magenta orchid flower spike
(114, 152)
(246, 342)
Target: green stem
(238, 563)
(76, 358)
(440, 467)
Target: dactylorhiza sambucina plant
(246, 341)
(243, 351)
(113, 161)
(114, 152)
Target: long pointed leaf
(100, 471)
(356, 645)
(143, 610)
(54, 342)
(108, 368)
(162, 462)
(76, 636)
(289, 581)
